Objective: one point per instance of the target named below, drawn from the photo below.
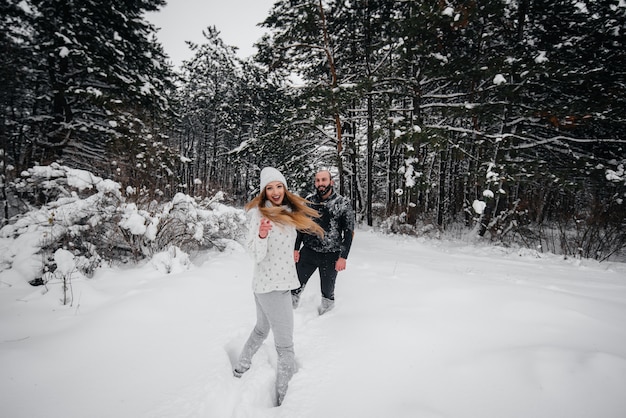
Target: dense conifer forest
(503, 118)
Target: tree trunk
(333, 85)
(370, 159)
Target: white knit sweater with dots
(274, 266)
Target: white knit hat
(270, 174)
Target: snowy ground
(421, 329)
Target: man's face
(323, 183)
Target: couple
(280, 223)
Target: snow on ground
(428, 329)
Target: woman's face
(275, 192)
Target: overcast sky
(184, 20)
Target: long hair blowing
(300, 215)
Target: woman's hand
(264, 228)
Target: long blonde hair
(298, 215)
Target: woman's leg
(278, 309)
(257, 336)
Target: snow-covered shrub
(92, 219)
(44, 184)
(396, 224)
(173, 260)
(592, 230)
(66, 268)
(183, 222)
(597, 232)
(506, 224)
(221, 221)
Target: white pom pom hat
(270, 174)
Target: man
(328, 254)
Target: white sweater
(274, 266)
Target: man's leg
(305, 268)
(328, 277)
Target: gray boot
(327, 305)
(252, 345)
(286, 367)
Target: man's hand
(340, 264)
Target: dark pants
(310, 261)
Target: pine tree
(18, 76)
(302, 41)
(103, 77)
(210, 98)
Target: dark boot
(295, 297)
(295, 300)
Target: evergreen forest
(501, 118)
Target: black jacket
(337, 220)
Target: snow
(422, 328)
(541, 58)
(134, 222)
(581, 8)
(479, 206)
(499, 79)
(81, 179)
(146, 88)
(64, 261)
(440, 57)
(618, 175)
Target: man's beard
(323, 190)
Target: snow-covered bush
(66, 269)
(397, 224)
(173, 260)
(92, 219)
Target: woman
(275, 217)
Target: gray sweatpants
(273, 311)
